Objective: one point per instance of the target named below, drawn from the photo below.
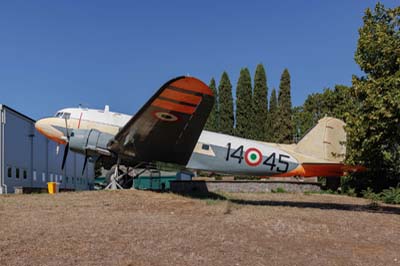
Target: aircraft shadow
(200, 191)
(370, 208)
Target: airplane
(169, 128)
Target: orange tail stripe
(192, 84)
(298, 171)
(181, 97)
(173, 106)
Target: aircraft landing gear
(122, 177)
(115, 177)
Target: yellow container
(52, 187)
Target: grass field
(147, 228)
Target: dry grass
(146, 228)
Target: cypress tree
(285, 109)
(272, 124)
(244, 112)
(260, 104)
(226, 118)
(212, 121)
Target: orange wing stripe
(181, 97)
(173, 106)
(192, 84)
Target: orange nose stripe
(55, 137)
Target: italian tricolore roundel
(164, 116)
(253, 157)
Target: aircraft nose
(45, 127)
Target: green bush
(370, 194)
(278, 190)
(351, 192)
(391, 195)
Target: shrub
(370, 194)
(278, 190)
(391, 195)
(351, 192)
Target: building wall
(31, 160)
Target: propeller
(66, 146)
(84, 163)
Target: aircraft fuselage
(213, 152)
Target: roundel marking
(165, 116)
(253, 157)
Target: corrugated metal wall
(31, 160)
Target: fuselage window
(205, 147)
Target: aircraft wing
(168, 126)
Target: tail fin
(325, 141)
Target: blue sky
(56, 54)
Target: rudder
(325, 141)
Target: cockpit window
(63, 115)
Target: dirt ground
(148, 228)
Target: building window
(17, 172)
(43, 177)
(205, 147)
(56, 178)
(25, 174)
(51, 177)
(60, 178)
(66, 179)
(34, 175)
(9, 171)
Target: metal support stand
(114, 185)
(130, 174)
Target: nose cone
(46, 127)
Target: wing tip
(192, 84)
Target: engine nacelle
(90, 142)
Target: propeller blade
(66, 128)
(66, 149)
(84, 164)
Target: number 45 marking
(270, 161)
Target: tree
(271, 124)
(373, 128)
(284, 116)
(244, 110)
(212, 121)
(260, 104)
(226, 118)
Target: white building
(30, 160)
